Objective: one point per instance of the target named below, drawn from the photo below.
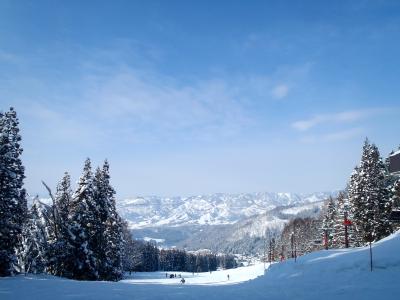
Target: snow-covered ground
(214, 278)
(332, 274)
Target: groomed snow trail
(214, 278)
(328, 275)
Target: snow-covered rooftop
(395, 153)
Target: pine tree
(82, 217)
(344, 212)
(110, 236)
(338, 240)
(99, 241)
(63, 198)
(61, 249)
(13, 207)
(380, 195)
(328, 222)
(33, 252)
(190, 263)
(369, 197)
(354, 196)
(128, 252)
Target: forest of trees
(80, 234)
(147, 257)
(366, 205)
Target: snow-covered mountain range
(214, 209)
(245, 236)
(230, 223)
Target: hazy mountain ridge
(244, 236)
(214, 209)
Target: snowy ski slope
(332, 274)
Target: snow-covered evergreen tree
(95, 230)
(369, 196)
(110, 229)
(343, 212)
(98, 242)
(129, 249)
(354, 197)
(328, 222)
(63, 198)
(338, 240)
(33, 251)
(82, 220)
(13, 207)
(59, 238)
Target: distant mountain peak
(213, 209)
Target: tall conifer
(82, 218)
(13, 206)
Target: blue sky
(194, 97)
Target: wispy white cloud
(111, 92)
(156, 104)
(164, 106)
(342, 117)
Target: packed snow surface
(331, 274)
(214, 278)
